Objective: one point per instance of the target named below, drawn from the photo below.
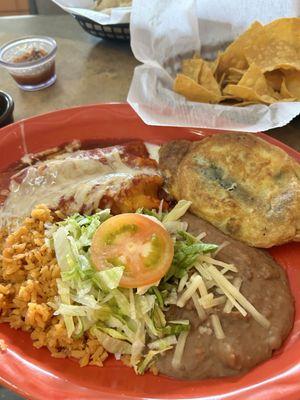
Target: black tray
(112, 32)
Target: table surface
(89, 70)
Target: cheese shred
(206, 299)
(182, 283)
(200, 310)
(217, 327)
(202, 269)
(202, 288)
(176, 361)
(217, 301)
(219, 263)
(194, 284)
(201, 236)
(221, 247)
(229, 306)
(211, 286)
(229, 287)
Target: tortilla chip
(291, 82)
(201, 72)
(262, 65)
(213, 65)
(207, 79)
(192, 68)
(234, 102)
(222, 82)
(274, 79)
(245, 103)
(234, 56)
(247, 94)
(284, 90)
(234, 75)
(191, 90)
(255, 79)
(278, 46)
(285, 29)
(252, 87)
(236, 71)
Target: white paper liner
(119, 15)
(165, 32)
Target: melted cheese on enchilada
(74, 181)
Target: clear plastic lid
(45, 48)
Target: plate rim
(132, 114)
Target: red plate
(35, 374)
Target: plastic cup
(30, 61)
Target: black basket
(112, 32)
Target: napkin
(119, 15)
(165, 32)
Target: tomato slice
(135, 241)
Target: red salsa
(31, 55)
(41, 74)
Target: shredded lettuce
(143, 289)
(203, 247)
(114, 333)
(123, 320)
(87, 300)
(63, 250)
(151, 328)
(186, 252)
(64, 293)
(109, 278)
(121, 301)
(158, 317)
(71, 310)
(161, 344)
(145, 303)
(132, 305)
(138, 344)
(122, 325)
(87, 231)
(150, 213)
(174, 329)
(158, 295)
(149, 359)
(83, 227)
(111, 344)
(79, 328)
